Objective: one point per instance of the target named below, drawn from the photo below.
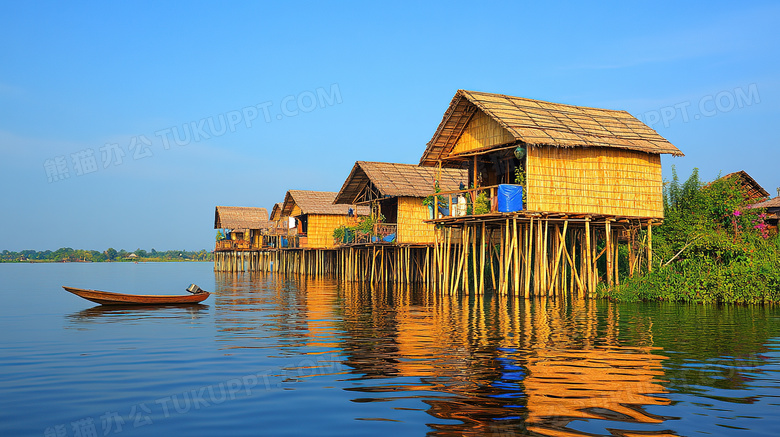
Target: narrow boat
(109, 298)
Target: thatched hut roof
(395, 180)
(753, 189)
(240, 217)
(316, 202)
(539, 123)
(276, 211)
(770, 204)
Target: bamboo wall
(411, 229)
(481, 131)
(320, 229)
(594, 180)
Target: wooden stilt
(528, 251)
(588, 257)
(474, 254)
(501, 256)
(558, 254)
(482, 261)
(608, 236)
(650, 246)
(492, 266)
(516, 251)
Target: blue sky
(123, 124)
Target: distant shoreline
(67, 254)
(124, 261)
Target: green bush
(726, 253)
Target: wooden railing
(381, 233)
(235, 245)
(297, 241)
(386, 230)
(462, 202)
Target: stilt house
(279, 227)
(246, 227)
(568, 159)
(549, 184)
(316, 217)
(772, 208)
(754, 192)
(397, 191)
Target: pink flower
(737, 213)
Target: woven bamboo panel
(481, 131)
(411, 229)
(320, 229)
(595, 180)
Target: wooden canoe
(109, 298)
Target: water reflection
(494, 365)
(130, 314)
(506, 366)
(293, 316)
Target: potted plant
(482, 204)
(428, 201)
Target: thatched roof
(539, 123)
(240, 217)
(276, 212)
(771, 203)
(316, 202)
(394, 180)
(753, 189)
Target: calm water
(268, 355)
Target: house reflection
(479, 365)
(498, 366)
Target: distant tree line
(67, 254)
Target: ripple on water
(281, 355)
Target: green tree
(111, 254)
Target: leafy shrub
(726, 252)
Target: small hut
(396, 191)
(754, 192)
(772, 207)
(568, 159)
(279, 227)
(246, 226)
(316, 217)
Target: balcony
(229, 245)
(295, 241)
(476, 201)
(381, 233)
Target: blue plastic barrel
(510, 198)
